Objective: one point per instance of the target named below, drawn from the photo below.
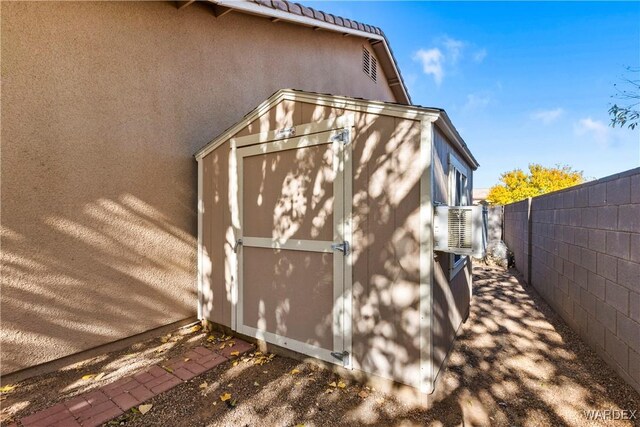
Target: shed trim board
(426, 383)
(200, 254)
(354, 104)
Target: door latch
(340, 355)
(238, 243)
(342, 247)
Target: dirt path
(515, 363)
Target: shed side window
(458, 196)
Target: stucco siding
(103, 106)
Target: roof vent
(369, 64)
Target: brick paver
(112, 400)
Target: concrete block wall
(516, 224)
(585, 262)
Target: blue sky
(522, 82)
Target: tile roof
(309, 12)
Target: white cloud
(439, 60)
(547, 116)
(477, 101)
(599, 131)
(454, 49)
(479, 55)
(432, 63)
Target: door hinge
(340, 355)
(286, 133)
(342, 247)
(343, 136)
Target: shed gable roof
(415, 112)
(280, 10)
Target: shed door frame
(337, 133)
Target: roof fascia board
(365, 106)
(445, 125)
(256, 9)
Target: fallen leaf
(135, 410)
(235, 363)
(231, 344)
(295, 371)
(329, 390)
(363, 394)
(88, 377)
(255, 383)
(165, 338)
(332, 384)
(168, 369)
(7, 388)
(211, 338)
(341, 384)
(145, 408)
(299, 425)
(235, 353)
(186, 359)
(225, 396)
(195, 328)
(232, 403)
(222, 346)
(204, 385)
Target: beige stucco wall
(103, 105)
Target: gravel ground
(42, 391)
(515, 363)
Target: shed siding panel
(386, 200)
(451, 298)
(217, 283)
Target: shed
(315, 232)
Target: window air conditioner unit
(458, 230)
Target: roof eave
(452, 133)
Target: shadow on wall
(88, 273)
(291, 197)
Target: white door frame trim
(338, 135)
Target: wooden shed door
(291, 259)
